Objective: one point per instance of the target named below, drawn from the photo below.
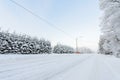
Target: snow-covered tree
(110, 27)
(62, 49)
(105, 46)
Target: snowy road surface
(59, 67)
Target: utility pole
(77, 46)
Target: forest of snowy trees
(12, 43)
(22, 44)
(110, 27)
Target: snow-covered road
(59, 67)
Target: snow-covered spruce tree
(5, 45)
(43, 46)
(60, 49)
(110, 27)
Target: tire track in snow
(26, 65)
(115, 73)
(48, 76)
(102, 70)
(30, 69)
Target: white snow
(59, 67)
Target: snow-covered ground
(59, 67)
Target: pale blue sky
(76, 17)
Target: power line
(40, 18)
